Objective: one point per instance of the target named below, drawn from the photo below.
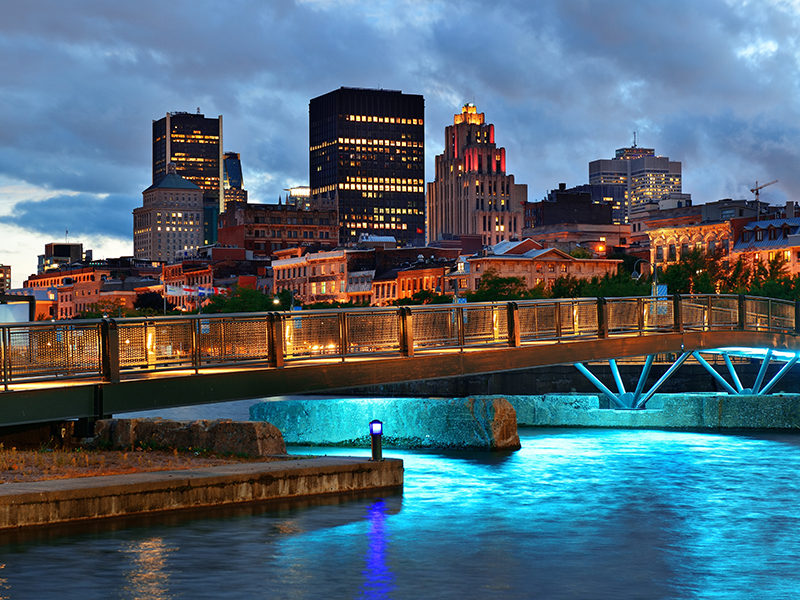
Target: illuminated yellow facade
(169, 224)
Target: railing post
(512, 312)
(460, 320)
(769, 314)
(406, 331)
(109, 350)
(276, 346)
(343, 341)
(797, 317)
(197, 344)
(4, 335)
(602, 318)
(677, 314)
(640, 308)
(742, 307)
(710, 309)
(557, 317)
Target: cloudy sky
(711, 83)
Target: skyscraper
(169, 224)
(233, 180)
(472, 194)
(193, 144)
(647, 177)
(367, 148)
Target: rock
(466, 423)
(221, 435)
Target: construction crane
(755, 190)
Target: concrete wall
(673, 411)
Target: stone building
(472, 193)
(169, 224)
(267, 228)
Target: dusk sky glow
(713, 84)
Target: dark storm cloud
(713, 84)
(85, 216)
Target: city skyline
(708, 84)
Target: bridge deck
(199, 359)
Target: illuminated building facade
(194, 144)
(169, 224)
(5, 278)
(233, 181)
(267, 228)
(646, 177)
(367, 148)
(472, 193)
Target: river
(574, 514)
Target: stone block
(221, 435)
(474, 422)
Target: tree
(241, 299)
(696, 272)
(493, 287)
(581, 253)
(151, 301)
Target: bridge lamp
(375, 434)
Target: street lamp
(636, 274)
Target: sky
(713, 84)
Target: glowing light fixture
(376, 433)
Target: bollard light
(375, 433)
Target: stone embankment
(63, 500)
(460, 423)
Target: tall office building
(233, 181)
(472, 194)
(647, 177)
(193, 144)
(367, 148)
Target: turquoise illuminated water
(574, 514)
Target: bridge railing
(106, 348)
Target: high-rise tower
(193, 144)
(367, 148)
(472, 194)
(647, 177)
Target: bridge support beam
(631, 400)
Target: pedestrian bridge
(60, 370)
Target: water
(574, 514)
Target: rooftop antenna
(634, 139)
(198, 110)
(66, 236)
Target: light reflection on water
(574, 514)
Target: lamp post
(375, 433)
(636, 275)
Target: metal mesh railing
(235, 339)
(39, 350)
(311, 334)
(484, 324)
(74, 348)
(373, 331)
(437, 328)
(578, 318)
(768, 314)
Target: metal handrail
(107, 347)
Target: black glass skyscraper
(194, 144)
(367, 148)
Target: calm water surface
(574, 514)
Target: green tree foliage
(695, 273)
(612, 286)
(241, 299)
(424, 297)
(581, 253)
(493, 287)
